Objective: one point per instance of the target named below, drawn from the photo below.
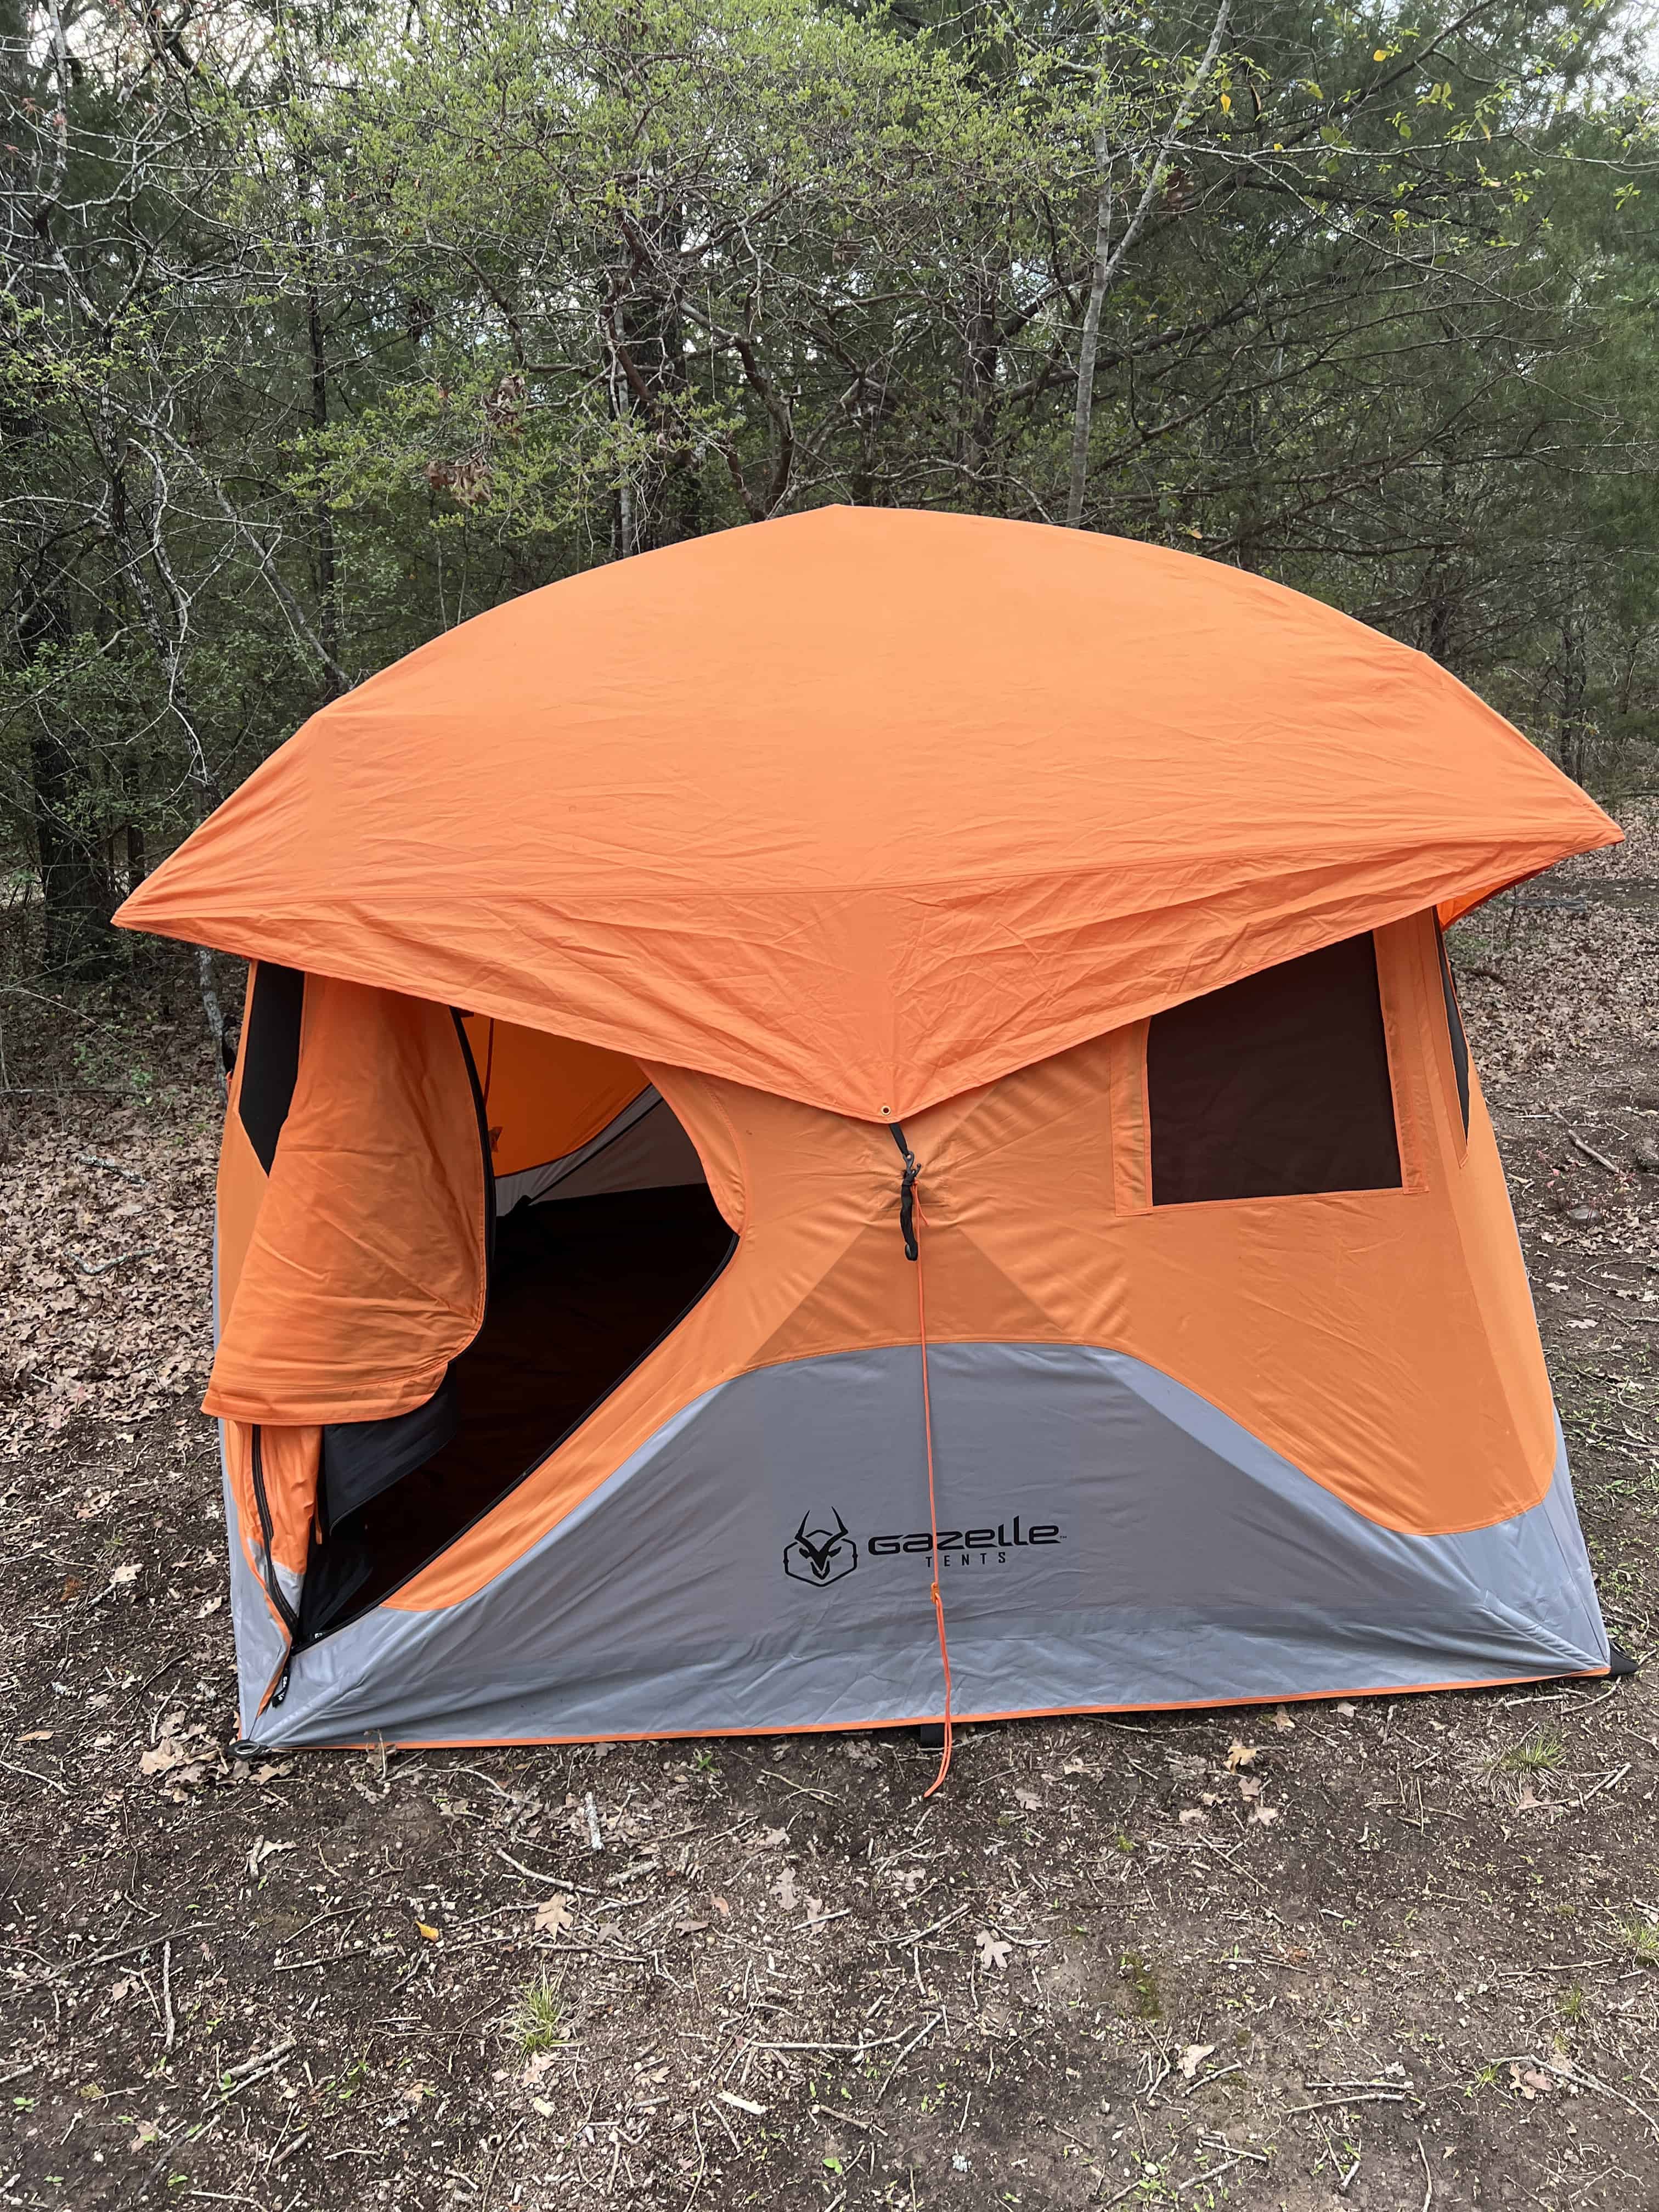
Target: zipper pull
(906, 1194)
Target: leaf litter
(1229, 1944)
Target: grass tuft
(1641, 1934)
(1544, 1749)
(533, 2022)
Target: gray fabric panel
(644, 1148)
(260, 1641)
(725, 1578)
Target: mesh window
(1460, 1043)
(270, 1057)
(1275, 1085)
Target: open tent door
(594, 1230)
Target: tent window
(271, 1056)
(1275, 1085)
(581, 1288)
(1460, 1043)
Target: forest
(325, 327)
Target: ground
(1397, 1953)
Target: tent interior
(604, 1235)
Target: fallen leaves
(1240, 1755)
(89, 1341)
(993, 1951)
(1193, 2058)
(180, 1758)
(555, 1917)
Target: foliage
(324, 327)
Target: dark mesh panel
(271, 1056)
(1275, 1085)
(579, 1294)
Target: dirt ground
(1402, 1953)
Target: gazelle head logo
(820, 1555)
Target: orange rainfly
(655, 975)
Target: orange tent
(571, 1361)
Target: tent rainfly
(875, 1082)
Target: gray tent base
(1108, 1541)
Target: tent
(875, 1094)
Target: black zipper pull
(906, 1194)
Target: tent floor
(580, 1292)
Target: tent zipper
(279, 1596)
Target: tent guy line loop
(911, 1217)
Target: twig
(702, 2164)
(240, 2073)
(1428, 2178)
(103, 1267)
(131, 1950)
(725, 2128)
(96, 1160)
(1356, 2096)
(1589, 2081)
(596, 1841)
(824, 1797)
(920, 2033)
(50, 1780)
(909, 1936)
(167, 1993)
(1605, 1783)
(1233, 2150)
(1590, 1153)
(1218, 2074)
(502, 2149)
(871, 2043)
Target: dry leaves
(555, 1917)
(993, 1950)
(85, 1339)
(1193, 2058)
(181, 1756)
(1240, 1754)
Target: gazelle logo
(819, 1555)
